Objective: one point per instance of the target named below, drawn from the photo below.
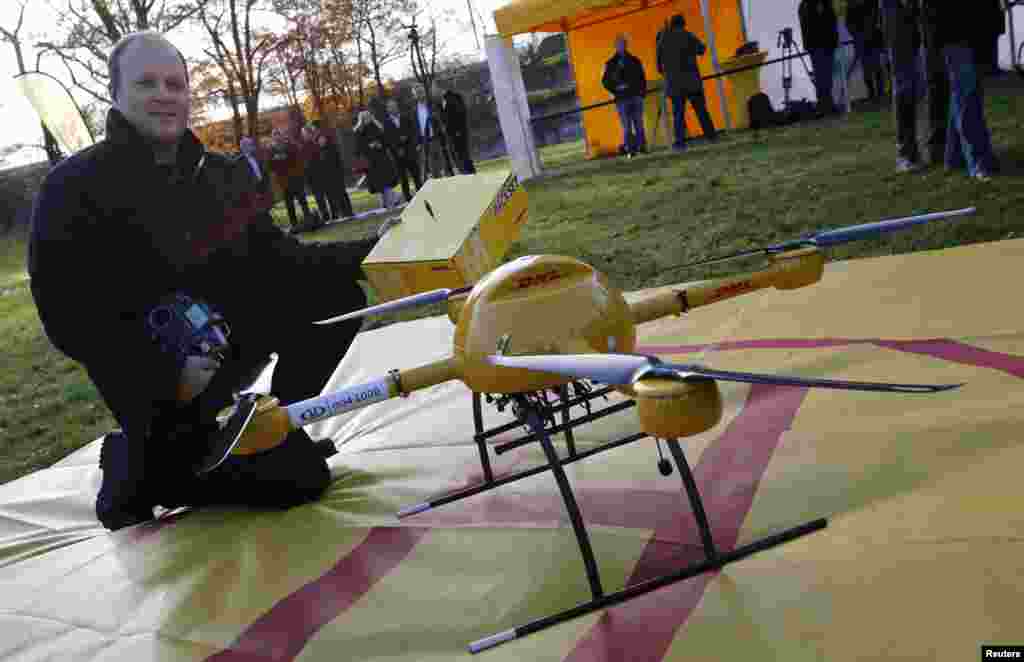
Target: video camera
(183, 326)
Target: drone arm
(272, 422)
(788, 271)
(426, 376)
(396, 383)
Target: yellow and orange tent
(591, 27)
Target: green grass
(634, 220)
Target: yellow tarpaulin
(591, 28)
(920, 560)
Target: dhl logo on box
(475, 219)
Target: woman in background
(371, 143)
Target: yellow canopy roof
(522, 16)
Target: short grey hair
(114, 59)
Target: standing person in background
(316, 172)
(286, 164)
(820, 29)
(992, 24)
(381, 174)
(430, 141)
(677, 62)
(865, 23)
(401, 130)
(337, 186)
(261, 173)
(968, 142)
(327, 178)
(456, 126)
(920, 88)
(624, 78)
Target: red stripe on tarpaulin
(727, 477)
(958, 352)
(282, 632)
(941, 348)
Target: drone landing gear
(581, 395)
(714, 559)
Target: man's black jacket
(454, 114)
(624, 76)
(112, 233)
(818, 24)
(402, 137)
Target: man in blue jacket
(624, 78)
(146, 216)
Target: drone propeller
(433, 296)
(837, 236)
(627, 369)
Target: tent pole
(710, 32)
(575, 81)
(743, 21)
(1013, 38)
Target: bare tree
(13, 37)
(378, 27)
(88, 29)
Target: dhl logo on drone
(538, 279)
(731, 289)
(507, 189)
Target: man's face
(418, 93)
(248, 146)
(153, 90)
(392, 107)
(620, 45)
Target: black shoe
(118, 503)
(326, 448)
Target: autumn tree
(379, 28)
(239, 49)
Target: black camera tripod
(790, 50)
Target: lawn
(634, 220)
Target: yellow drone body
(542, 304)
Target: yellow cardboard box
(455, 231)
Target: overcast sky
(20, 125)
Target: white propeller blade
(685, 371)
(616, 369)
(622, 369)
(433, 296)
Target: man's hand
(196, 376)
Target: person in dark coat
(401, 131)
(954, 33)
(920, 87)
(316, 178)
(678, 50)
(992, 25)
(865, 24)
(288, 159)
(820, 29)
(252, 156)
(372, 144)
(456, 124)
(146, 214)
(624, 78)
(327, 179)
(431, 141)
